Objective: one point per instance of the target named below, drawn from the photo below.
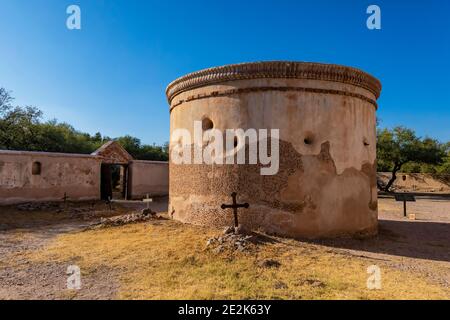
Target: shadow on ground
(413, 239)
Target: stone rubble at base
(143, 216)
(234, 239)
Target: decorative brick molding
(274, 69)
(225, 93)
(113, 153)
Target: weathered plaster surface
(149, 177)
(76, 175)
(325, 188)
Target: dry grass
(11, 218)
(168, 260)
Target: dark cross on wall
(235, 206)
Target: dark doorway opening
(114, 181)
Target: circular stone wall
(326, 182)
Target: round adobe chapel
(325, 185)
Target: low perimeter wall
(39, 176)
(418, 182)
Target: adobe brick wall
(324, 188)
(76, 175)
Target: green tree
(143, 151)
(444, 168)
(131, 144)
(400, 146)
(5, 100)
(18, 125)
(22, 128)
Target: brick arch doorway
(114, 171)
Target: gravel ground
(421, 245)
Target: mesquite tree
(400, 145)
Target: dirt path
(22, 232)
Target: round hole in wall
(366, 142)
(308, 140)
(207, 124)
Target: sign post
(404, 197)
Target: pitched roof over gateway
(112, 152)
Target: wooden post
(65, 200)
(404, 207)
(403, 197)
(110, 203)
(125, 182)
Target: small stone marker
(412, 216)
(147, 200)
(235, 206)
(404, 197)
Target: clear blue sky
(111, 75)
